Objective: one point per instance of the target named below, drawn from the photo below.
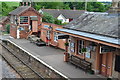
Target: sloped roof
(3, 18)
(22, 9)
(19, 10)
(66, 13)
(101, 24)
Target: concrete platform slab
(53, 57)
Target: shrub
(8, 28)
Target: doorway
(106, 64)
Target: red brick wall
(60, 42)
(13, 31)
(24, 33)
(32, 13)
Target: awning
(63, 36)
(92, 37)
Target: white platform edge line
(39, 59)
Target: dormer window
(24, 20)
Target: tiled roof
(19, 10)
(102, 24)
(66, 13)
(3, 18)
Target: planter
(66, 44)
(84, 50)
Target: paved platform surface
(53, 57)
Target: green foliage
(50, 5)
(91, 6)
(64, 23)
(66, 44)
(59, 22)
(48, 18)
(8, 28)
(8, 7)
(84, 50)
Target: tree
(58, 22)
(7, 8)
(48, 18)
(50, 5)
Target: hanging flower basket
(84, 50)
(66, 44)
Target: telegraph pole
(85, 5)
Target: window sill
(82, 56)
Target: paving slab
(53, 57)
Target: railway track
(18, 65)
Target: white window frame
(11, 19)
(24, 22)
(55, 36)
(80, 46)
(72, 46)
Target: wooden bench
(81, 63)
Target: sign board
(46, 26)
(63, 36)
(105, 49)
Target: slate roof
(3, 18)
(66, 13)
(96, 23)
(19, 10)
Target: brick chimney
(26, 2)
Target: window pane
(23, 20)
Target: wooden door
(106, 65)
(103, 64)
(109, 64)
(35, 26)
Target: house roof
(66, 13)
(22, 9)
(3, 19)
(19, 10)
(96, 23)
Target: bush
(64, 23)
(48, 18)
(8, 28)
(58, 22)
